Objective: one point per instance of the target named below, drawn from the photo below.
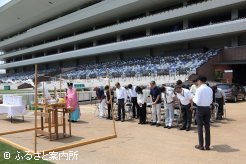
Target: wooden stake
(60, 86)
(60, 96)
(70, 146)
(22, 148)
(44, 106)
(24, 130)
(111, 104)
(36, 106)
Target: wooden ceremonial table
(51, 113)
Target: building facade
(64, 33)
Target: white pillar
(148, 31)
(185, 24)
(234, 14)
(234, 41)
(94, 43)
(75, 47)
(118, 38)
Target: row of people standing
(203, 98)
(138, 99)
(169, 96)
(122, 96)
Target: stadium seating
(16, 77)
(147, 66)
(136, 69)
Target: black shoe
(143, 122)
(122, 120)
(108, 118)
(188, 129)
(152, 124)
(111, 118)
(183, 128)
(169, 127)
(158, 124)
(117, 120)
(207, 148)
(166, 126)
(140, 123)
(199, 147)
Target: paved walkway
(146, 144)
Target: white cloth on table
(12, 100)
(12, 110)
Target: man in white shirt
(141, 100)
(133, 97)
(203, 100)
(121, 98)
(186, 104)
(193, 88)
(155, 94)
(169, 102)
(220, 99)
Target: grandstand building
(89, 38)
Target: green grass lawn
(13, 154)
(15, 91)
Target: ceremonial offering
(52, 101)
(61, 100)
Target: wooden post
(43, 91)
(55, 92)
(42, 119)
(60, 96)
(60, 86)
(45, 101)
(111, 103)
(36, 106)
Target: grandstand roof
(16, 14)
(21, 14)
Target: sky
(3, 2)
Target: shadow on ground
(224, 149)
